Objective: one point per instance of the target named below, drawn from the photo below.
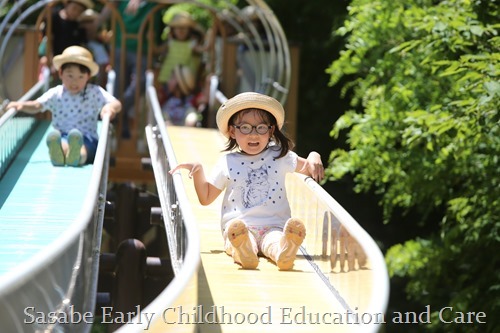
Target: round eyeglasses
(247, 128)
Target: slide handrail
(349, 232)
(180, 227)
(13, 133)
(16, 279)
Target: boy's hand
(107, 112)
(15, 105)
(111, 109)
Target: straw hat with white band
(78, 55)
(248, 100)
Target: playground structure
(115, 244)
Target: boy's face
(74, 10)
(73, 79)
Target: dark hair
(283, 143)
(83, 69)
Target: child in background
(133, 59)
(184, 46)
(96, 43)
(66, 29)
(75, 106)
(256, 216)
(179, 105)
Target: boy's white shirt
(79, 111)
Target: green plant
(424, 134)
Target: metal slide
(50, 229)
(339, 282)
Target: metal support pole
(129, 277)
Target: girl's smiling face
(73, 79)
(252, 143)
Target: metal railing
(74, 255)
(180, 228)
(339, 248)
(14, 130)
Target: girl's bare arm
(206, 192)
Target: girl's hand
(314, 167)
(205, 191)
(192, 167)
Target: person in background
(255, 213)
(178, 108)
(65, 31)
(251, 57)
(96, 43)
(133, 14)
(75, 106)
(184, 46)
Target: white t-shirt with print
(255, 187)
(80, 111)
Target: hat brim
(248, 100)
(62, 59)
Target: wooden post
(293, 94)
(31, 70)
(229, 69)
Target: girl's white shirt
(255, 187)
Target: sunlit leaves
(424, 132)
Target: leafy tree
(424, 134)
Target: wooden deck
(266, 299)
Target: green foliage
(308, 26)
(424, 134)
